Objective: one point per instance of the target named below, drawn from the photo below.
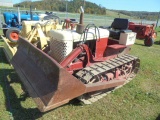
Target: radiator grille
(58, 49)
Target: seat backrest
(120, 23)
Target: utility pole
(158, 20)
(45, 4)
(66, 8)
(83, 4)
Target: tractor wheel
(13, 34)
(4, 32)
(148, 42)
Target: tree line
(139, 14)
(90, 8)
(61, 5)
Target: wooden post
(158, 20)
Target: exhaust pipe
(81, 16)
(80, 26)
(19, 16)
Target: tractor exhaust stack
(80, 26)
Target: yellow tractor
(33, 31)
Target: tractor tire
(13, 34)
(148, 42)
(4, 32)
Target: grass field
(138, 100)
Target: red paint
(101, 46)
(118, 72)
(103, 52)
(89, 54)
(68, 23)
(110, 76)
(71, 57)
(14, 36)
(142, 30)
(116, 46)
(76, 66)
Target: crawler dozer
(75, 65)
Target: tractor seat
(119, 25)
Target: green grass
(138, 100)
(116, 14)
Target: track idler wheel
(13, 34)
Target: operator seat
(119, 25)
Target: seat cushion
(114, 34)
(120, 23)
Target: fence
(88, 18)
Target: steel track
(90, 74)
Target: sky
(129, 5)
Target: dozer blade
(47, 82)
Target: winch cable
(4, 75)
